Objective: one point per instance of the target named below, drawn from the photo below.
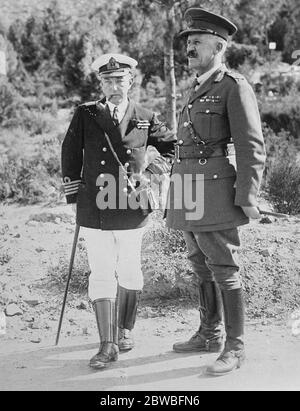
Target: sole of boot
(124, 349)
(102, 365)
(199, 350)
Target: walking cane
(273, 214)
(68, 280)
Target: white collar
(121, 107)
(203, 77)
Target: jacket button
(206, 111)
(128, 151)
(185, 124)
(101, 175)
(103, 163)
(126, 165)
(180, 142)
(178, 160)
(215, 176)
(125, 190)
(190, 105)
(104, 149)
(101, 188)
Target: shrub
(238, 54)
(279, 147)
(29, 167)
(283, 186)
(282, 113)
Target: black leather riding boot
(233, 354)
(128, 301)
(209, 336)
(106, 317)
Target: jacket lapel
(125, 123)
(105, 122)
(202, 90)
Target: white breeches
(114, 258)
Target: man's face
(116, 89)
(201, 50)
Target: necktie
(115, 116)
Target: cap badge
(189, 21)
(113, 64)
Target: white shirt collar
(205, 76)
(121, 108)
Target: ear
(130, 81)
(219, 47)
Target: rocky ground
(35, 238)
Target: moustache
(192, 54)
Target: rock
(36, 340)
(85, 331)
(34, 326)
(39, 249)
(32, 302)
(17, 235)
(82, 306)
(28, 319)
(267, 252)
(13, 309)
(267, 220)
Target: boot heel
(241, 361)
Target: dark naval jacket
(87, 159)
(220, 143)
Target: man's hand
(251, 212)
(74, 208)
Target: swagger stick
(272, 213)
(68, 280)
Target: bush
(283, 186)
(29, 167)
(282, 113)
(279, 147)
(238, 54)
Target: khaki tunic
(223, 111)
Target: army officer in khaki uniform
(104, 148)
(219, 145)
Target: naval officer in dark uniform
(104, 159)
(220, 146)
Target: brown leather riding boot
(233, 354)
(209, 337)
(128, 301)
(106, 317)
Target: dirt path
(273, 363)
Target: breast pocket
(210, 122)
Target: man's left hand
(251, 212)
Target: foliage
(29, 167)
(281, 146)
(237, 54)
(282, 113)
(283, 186)
(281, 181)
